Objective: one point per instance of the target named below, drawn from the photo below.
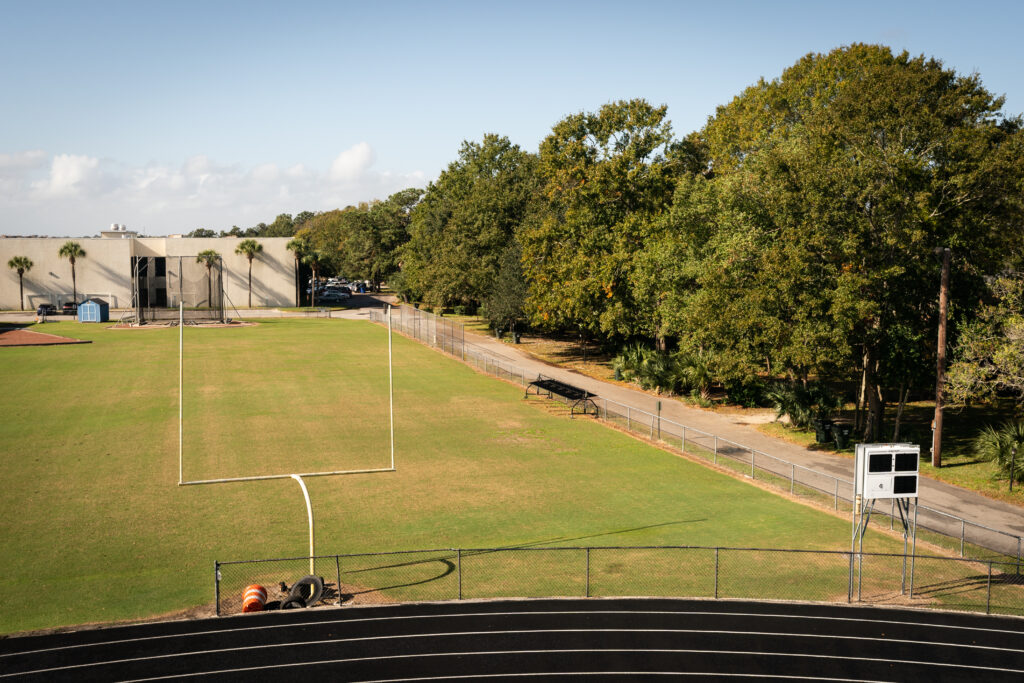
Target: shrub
(748, 392)
(998, 445)
(803, 404)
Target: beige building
(106, 269)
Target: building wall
(105, 270)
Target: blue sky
(176, 115)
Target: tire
(308, 590)
(293, 603)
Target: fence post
(752, 476)
(988, 598)
(1018, 556)
(652, 428)
(963, 529)
(588, 572)
(216, 585)
(460, 572)
(684, 450)
(337, 565)
(629, 421)
(716, 448)
(716, 573)
(892, 512)
(792, 477)
(836, 504)
(849, 583)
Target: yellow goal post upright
(183, 482)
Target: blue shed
(93, 311)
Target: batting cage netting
(161, 283)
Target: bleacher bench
(575, 397)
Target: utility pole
(940, 371)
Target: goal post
(289, 475)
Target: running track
(592, 640)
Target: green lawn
(97, 528)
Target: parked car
(46, 309)
(69, 308)
(334, 296)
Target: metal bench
(574, 396)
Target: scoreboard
(887, 470)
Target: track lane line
(511, 632)
(268, 627)
(581, 651)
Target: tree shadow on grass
(448, 566)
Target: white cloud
(74, 195)
(265, 173)
(353, 163)
(70, 174)
(12, 165)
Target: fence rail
(626, 571)
(956, 533)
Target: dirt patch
(19, 336)
(164, 326)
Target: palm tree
(695, 372)
(314, 258)
(1005, 446)
(208, 258)
(22, 264)
(72, 251)
(301, 247)
(249, 249)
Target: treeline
(794, 236)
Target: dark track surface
(596, 640)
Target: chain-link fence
(970, 539)
(662, 571)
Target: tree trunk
(858, 416)
(209, 287)
(250, 283)
(21, 292)
(875, 404)
(74, 282)
(298, 301)
(904, 391)
(312, 290)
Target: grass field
(97, 529)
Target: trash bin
(841, 434)
(822, 430)
(515, 337)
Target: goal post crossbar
(265, 477)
